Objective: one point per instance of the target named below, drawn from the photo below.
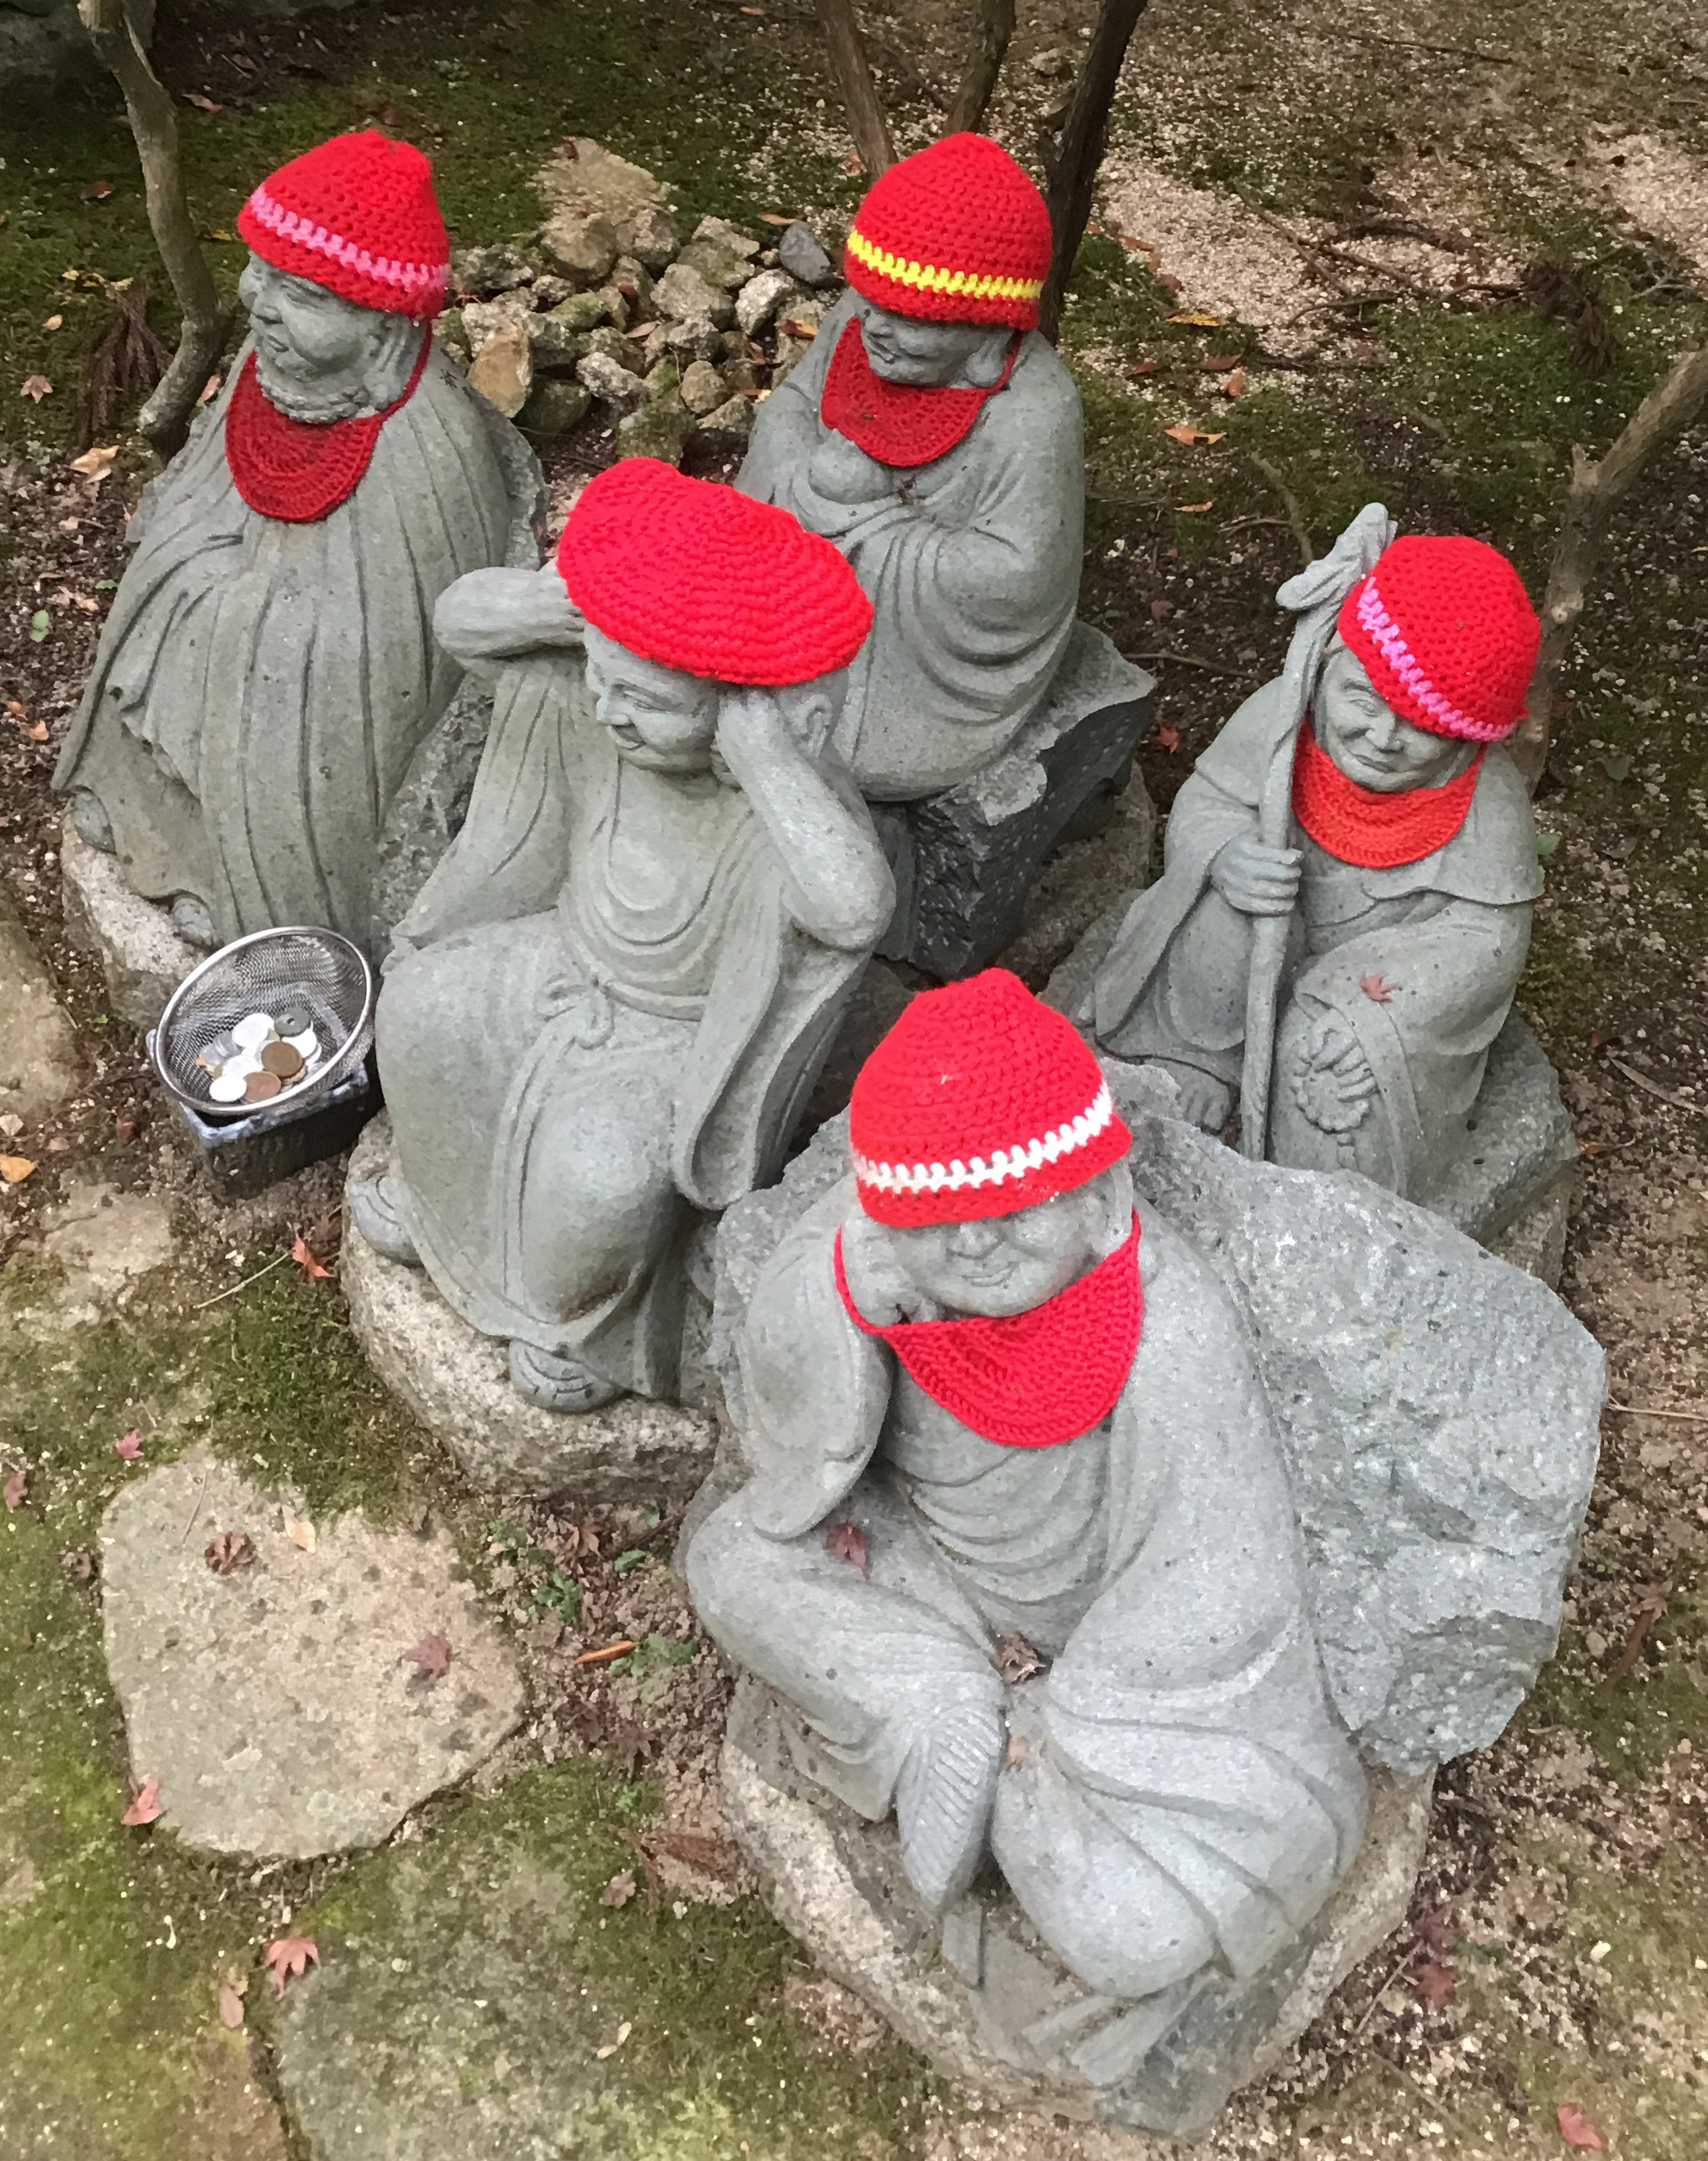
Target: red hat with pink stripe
(1446, 635)
(359, 215)
(979, 1102)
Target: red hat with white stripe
(359, 215)
(979, 1102)
(1446, 635)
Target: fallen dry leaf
(852, 162)
(774, 217)
(37, 732)
(129, 1445)
(1015, 1659)
(96, 463)
(1218, 363)
(232, 1549)
(301, 1535)
(1014, 1755)
(1161, 610)
(847, 1542)
(1578, 2130)
(231, 2007)
(1435, 1981)
(11, 1124)
(14, 1170)
(76, 1564)
(288, 1958)
(1376, 986)
(145, 1807)
(704, 1852)
(606, 1652)
(1183, 431)
(619, 1890)
(34, 387)
(1142, 368)
(53, 322)
(1649, 1609)
(210, 389)
(17, 1487)
(1437, 1930)
(1234, 385)
(202, 104)
(432, 1655)
(624, 2031)
(1195, 510)
(1196, 319)
(307, 1259)
(97, 191)
(1166, 738)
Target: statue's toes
(943, 1802)
(555, 1383)
(374, 1211)
(192, 921)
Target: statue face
(1005, 1265)
(1370, 742)
(658, 717)
(321, 356)
(927, 355)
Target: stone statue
(606, 1006)
(1350, 872)
(267, 686)
(1089, 1538)
(934, 436)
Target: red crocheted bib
(299, 471)
(1039, 1378)
(1363, 825)
(898, 424)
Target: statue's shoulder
(1238, 758)
(1493, 857)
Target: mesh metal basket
(315, 971)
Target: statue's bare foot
(374, 1211)
(89, 819)
(194, 924)
(556, 1384)
(943, 1802)
(1205, 1100)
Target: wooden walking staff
(1316, 596)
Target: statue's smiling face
(927, 355)
(658, 717)
(1369, 742)
(999, 1265)
(322, 357)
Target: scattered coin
(260, 1087)
(283, 1059)
(228, 1087)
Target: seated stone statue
(268, 673)
(609, 1001)
(999, 1418)
(1400, 877)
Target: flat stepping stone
(38, 1053)
(278, 1705)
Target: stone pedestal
(982, 1997)
(141, 954)
(964, 861)
(456, 1383)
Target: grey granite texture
(277, 1705)
(141, 954)
(456, 1383)
(38, 1045)
(988, 2005)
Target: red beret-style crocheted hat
(980, 1101)
(1446, 635)
(359, 215)
(700, 578)
(956, 232)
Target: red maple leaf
(16, 1486)
(1436, 1982)
(288, 1958)
(1376, 985)
(130, 1448)
(306, 1258)
(1435, 1929)
(847, 1541)
(433, 1655)
(1166, 738)
(1576, 2129)
(145, 1807)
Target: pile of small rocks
(681, 339)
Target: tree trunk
(866, 121)
(1079, 150)
(991, 34)
(1596, 491)
(165, 417)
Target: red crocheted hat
(956, 232)
(1446, 635)
(698, 577)
(980, 1101)
(359, 215)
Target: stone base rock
(966, 860)
(988, 2005)
(38, 1050)
(456, 1383)
(277, 1705)
(142, 956)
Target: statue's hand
(1256, 879)
(882, 1290)
(841, 472)
(1330, 1080)
(500, 615)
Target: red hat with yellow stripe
(956, 233)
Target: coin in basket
(261, 1085)
(283, 1059)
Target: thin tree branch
(165, 418)
(1597, 491)
(866, 121)
(1079, 149)
(991, 33)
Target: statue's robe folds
(582, 1047)
(971, 564)
(1186, 1799)
(1446, 935)
(262, 687)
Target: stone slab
(277, 1705)
(456, 1383)
(965, 1994)
(38, 1045)
(141, 956)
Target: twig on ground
(1296, 514)
(1192, 660)
(1655, 1410)
(195, 1506)
(278, 1261)
(1375, 2004)
(992, 30)
(1653, 1088)
(848, 63)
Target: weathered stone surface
(761, 297)
(38, 1045)
(650, 237)
(142, 956)
(582, 243)
(486, 271)
(609, 341)
(720, 266)
(661, 429)
(800, 254)
(984, 2001)
(553, 343)
(277, 1705)
(482, 319)
(552, 407)
(683, 295)
(966, 860)
(584, 311)
(703, 388)
(723, 234)
(503, 368)
(107, 1241)
(582, 173)
(730, 424)
(609, 380)
(685, 341)
(456, 1384)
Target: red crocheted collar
(1366, 827)
(1039, 1378)
(899, 423)
(299, 471)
